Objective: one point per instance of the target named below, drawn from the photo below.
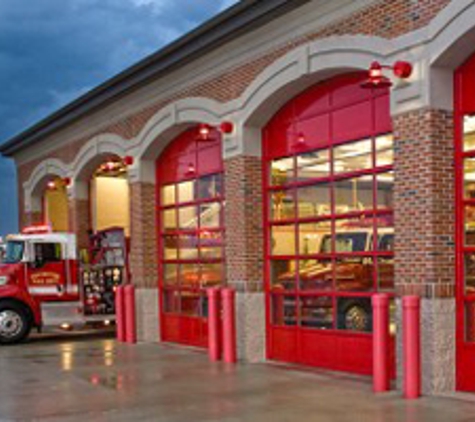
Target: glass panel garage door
(330, 231)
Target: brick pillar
(79, 220)
(245, 252)
(425, 236)
(144, 258)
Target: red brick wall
(143, 235)
(424, 203)
(244, 223)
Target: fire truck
(43, 283)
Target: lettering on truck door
(47, 272)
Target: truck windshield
(345, 242)
(14, 252)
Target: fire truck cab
(43, 284)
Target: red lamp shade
(226, 127)
(402, 69)
(375, 71)
(109, 166)
(204, 130)
(191, 170)
(376, 78)
(128, 160)
(67, 181)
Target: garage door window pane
(355, 274)
(353, 157)
(385, 189)
(282, 205)
(283, 274)
(170, 246)
(188, 246)
(469, 178)
(283, 240)
(284, 310)
(314, 201)
(354, 314)
(313, 165)
(282, 171)
(354, 194)
(470, 322)
(186, 191)
(311, 235)
(316, 312)
(210, 186)
(169, 219)
(190, 276)
(385, 273)
(384, 150)
(210, 215)
(168, 195)
(469, 133)
(188, 217)
(170, 274)
(211, 275)
(316, 274)
(470, 226)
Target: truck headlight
(3, 280)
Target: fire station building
(258, 152)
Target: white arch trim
(49, 167)
(179, 113)
(106, 143)
(317, 58)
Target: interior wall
(56, 209)
(110, 203)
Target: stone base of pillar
(147, 314)
(251, 326)
(438, 357)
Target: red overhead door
(328, 159)
(465, 187)
(191, 233)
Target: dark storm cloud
(51, 51)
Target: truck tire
(15, 324)
(355, 315)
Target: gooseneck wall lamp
(377, 79)
(204, 130)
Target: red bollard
(130, 332)
(381, 339)
(119, 313)
(214, 338)
(229, 325)
(411, 306)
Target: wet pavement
(95, 379)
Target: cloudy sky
(51, 51)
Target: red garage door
(465, 172)
(190, 194)
(329, 223)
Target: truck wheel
(14, 323)
(355, 316)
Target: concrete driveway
(96, 379)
